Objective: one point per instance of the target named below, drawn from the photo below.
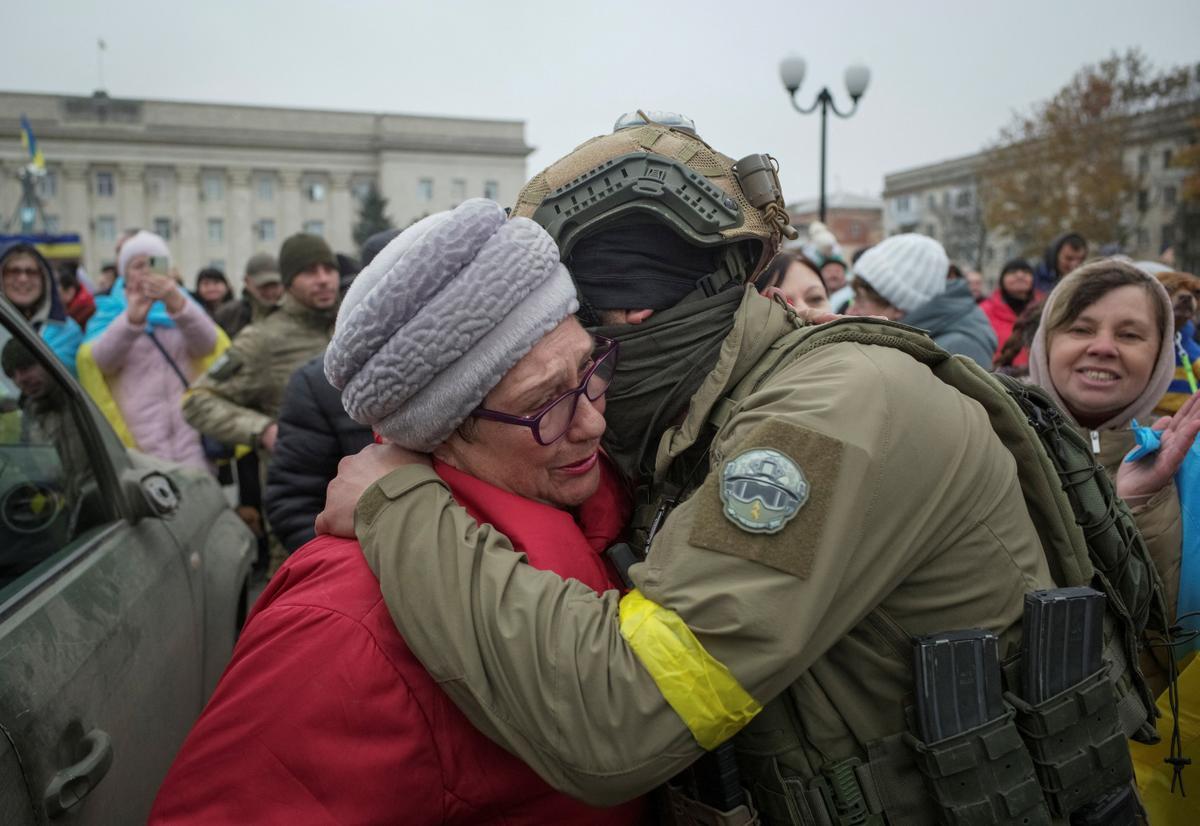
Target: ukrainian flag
(30, 143)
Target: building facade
(942, 199)
(222, 182)
(855, 220)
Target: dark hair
(861, 285)
(1073, 240)
(211, 274)
(67, 278)
(1091, 282)
(1023, 331)
(954, 273)
(109, 268)
(1015, 265)
(773, 274)
(859, 253)
(16, 356)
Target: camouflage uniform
(240, 395)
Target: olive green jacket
(914, 523)
(240, 395)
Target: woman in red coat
(324, 715)
(1013, 294)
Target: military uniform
(831, 503)
(240, 395)
(912, 522)
(234, 316)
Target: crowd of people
(551, 511)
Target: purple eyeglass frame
(534, 422)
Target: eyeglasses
(29, 272)
(554, 419)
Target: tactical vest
(1089, 538)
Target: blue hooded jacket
(60, 332)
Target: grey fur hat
(440, 315)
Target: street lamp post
(791, 72)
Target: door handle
(74, 783)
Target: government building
(942, 199)
(222, 182)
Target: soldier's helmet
(657, 165)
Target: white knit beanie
(440, 315)
(142, 243)
(908, 270)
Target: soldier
(811, 510)
(237, 401)
(261, 291)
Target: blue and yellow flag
(30, 143)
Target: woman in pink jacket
(143, 347)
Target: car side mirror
(151, 494)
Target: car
(123, 584)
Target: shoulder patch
(226, 367)
(762, 489)
(769, 502)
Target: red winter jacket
(1002, 317)
(324, 715)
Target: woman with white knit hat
(456, 341)
(147, 341)
(904, 278)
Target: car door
(100, 661)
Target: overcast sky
(945, 75)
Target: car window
(48, 492)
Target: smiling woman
(1105, 353)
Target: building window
(1167, 158)
(156, 185)
(217, 264)
(1143, 201)
(1144, 163)
(212, 186)
(314, 191)
(106, 228)
(264, 187)
(491, 190)
(931, 230)
(216, 231)
(314, 227)
(264, 230)
(1143, 238)
(1168, 236)
(963, 199)
(856, 231)
(104, 185)
(932, 201)
(903, 203)
(162, 228)
(458, 190)
(1169, 196)
(52, 224)
(425, 190)
(360, 189)
(47, 185)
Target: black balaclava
(646, 266)
(637, 264)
